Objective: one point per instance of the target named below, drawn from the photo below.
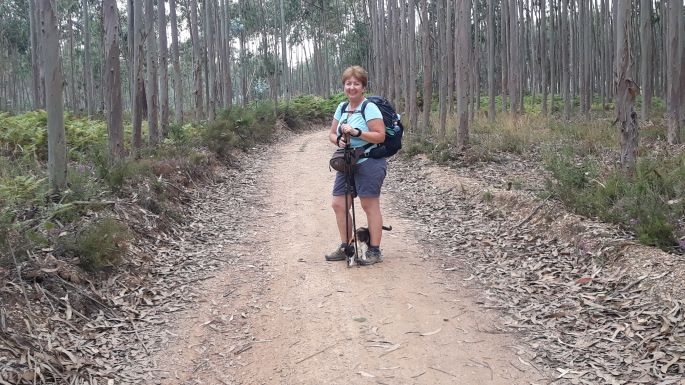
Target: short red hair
(357, 72)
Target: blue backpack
(393, 128)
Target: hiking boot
(340, 254)
(371, 257)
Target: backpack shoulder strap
(364, 103)
(343, 108)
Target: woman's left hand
(347, 129)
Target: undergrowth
(650, 203)
(581, 156)
(32, 217)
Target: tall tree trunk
(131, 33)
(87, 67)
(396, 53)
(197, 62)
(175, 59)
(413, 70)
(139, 90)
(585, 55)
(57, 147)
(543, 55)
(491, 61)
(228, 84)
(477, 58)
(112, 81)
(451, 58)
(163, 70)
(673, 55)
(504, 52)
(626, 89)
(383, 68)
(243, 60)
(152, 88)
(443, 51)
(72, 65)
(464, 41)
(646, 58)
(404, 56)
(284, 56)
(565, 65)
(37, 78)
(427, 68)
(515, 58)
(209, 8)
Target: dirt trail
(289, 317)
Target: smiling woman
(357, 131)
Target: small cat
(363, 235)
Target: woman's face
(353, 88)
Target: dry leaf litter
(587, 314)
(60, 326)
(588, 317)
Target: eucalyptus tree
(138, 99)
(37, 78)
(52, 66)
(543, 55)
(674, 52)
(463, 26)
(491, 60)
(176, 62)
(87, 64)
(427, 68)
(413, 64)
(565, 60)
(72, 100)
(163, 70)
(227, 58)
(112, 80)
(586, 54)
(210, 41)
(646, 57)
(626, 89)
(243, 54)
(443, 50)
(504, 52)
(152, 85)
(452, 55)
(197, 61)
(514, 58)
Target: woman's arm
(333, 134)
(376, 133)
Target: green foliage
(310, 109)
(100, 245)
(240, 128)
(415, 147)
(649, 202)
(82, 134)
(572, 178)
(26, 135)
(82, 184)
(22, 189)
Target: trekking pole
(348, 192)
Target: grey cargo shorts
(368, 178)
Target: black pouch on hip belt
(341, 159)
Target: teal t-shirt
(356, 120)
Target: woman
(368, 173)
